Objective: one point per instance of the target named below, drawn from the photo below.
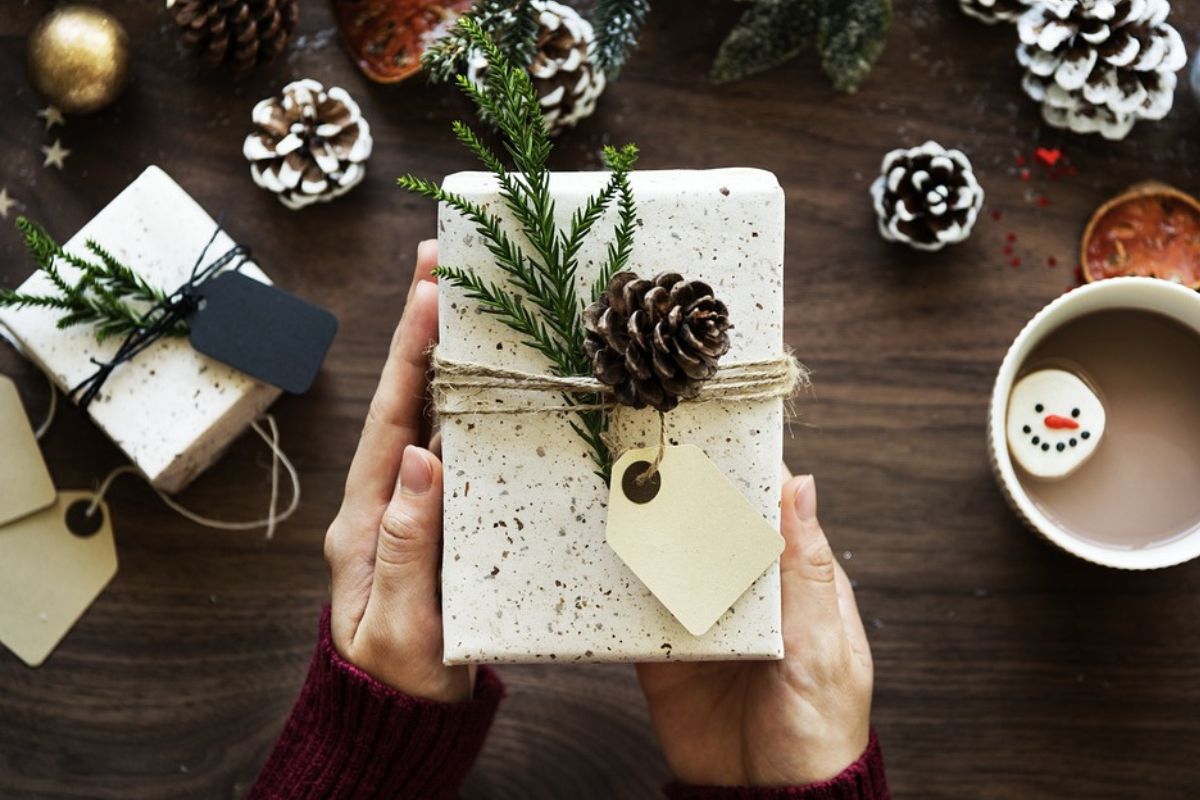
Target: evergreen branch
(98, 297)
(621, 162)
(511, 24)
(617, 23)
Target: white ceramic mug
(1148, 294)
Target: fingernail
(416, 473)
(805, 498)
(423, 248)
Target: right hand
(775, 723)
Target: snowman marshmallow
(1055, 422)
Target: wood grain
(1003, 667)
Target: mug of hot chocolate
(1094, 423)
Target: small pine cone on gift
(993, 11)
(309, 145)
(1098, 66)
(566, 78)
(655, 342)
(239, 33)
(926, 197)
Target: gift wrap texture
(527, 575)
(172, 410)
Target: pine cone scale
(239, 34)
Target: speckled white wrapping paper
(171, 409)
(527, 575)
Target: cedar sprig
(617, 23)
(100, 296)
(539, 299)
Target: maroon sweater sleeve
(862, 780)
(350, 736)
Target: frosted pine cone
(1098, 66)
(567, 81)
(310, 145)
(655, 342)
(993, 11)
(926, 197)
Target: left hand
(384, 546)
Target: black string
(164, 316)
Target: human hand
(775, 723)
(384, 546)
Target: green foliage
(848, 34)
(511, 25)
(97, 298)
(540, 263)
(617, 23)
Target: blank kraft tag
(25, 484)
(53, 564)
(688, 533)
(263, 331)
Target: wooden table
(1004, 668)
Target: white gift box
(172, 410)
(526, 574)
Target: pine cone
(237, 33)
(1100, 65)
(567, 80)
(311, 145)
(655, 341)
(993, 11)
(926, 197)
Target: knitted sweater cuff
(351, 736)
(862, 780)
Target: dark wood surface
(1004, 668)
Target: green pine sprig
(540, 262)
(100, 296)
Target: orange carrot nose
(1055, 422)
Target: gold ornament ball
(79, 58)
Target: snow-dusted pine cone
(566, 78)
(310, 145)
(655, 342)
(926, 197)
(237, 33)
(993, 11)
(1098, 66)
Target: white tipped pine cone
(993, 11)
(1099, 66)
(926, 197)
(310, 144)
(567, 81)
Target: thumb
(410, 533)
(808, 572)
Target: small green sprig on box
(99, 297)
(539, 300)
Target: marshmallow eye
(1055, 421)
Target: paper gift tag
(25, 484)
(53, 564)
(688, 533)
(262, 330)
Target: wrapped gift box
(527, 575)
(171, 409)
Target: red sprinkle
(1019, 160)
(1012, 237)
(1025, 175)
(1016, 262)
(1047, 155)
(1043, 201)
(996, 214)
(1051, 262)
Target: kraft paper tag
(262, 330)
(25, 484)
(688, 533)
(53, 564)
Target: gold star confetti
(52, 116)
(56, 154)
(6, 203)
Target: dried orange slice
(387, 37)
(1151, 230)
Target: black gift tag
(263, 331)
